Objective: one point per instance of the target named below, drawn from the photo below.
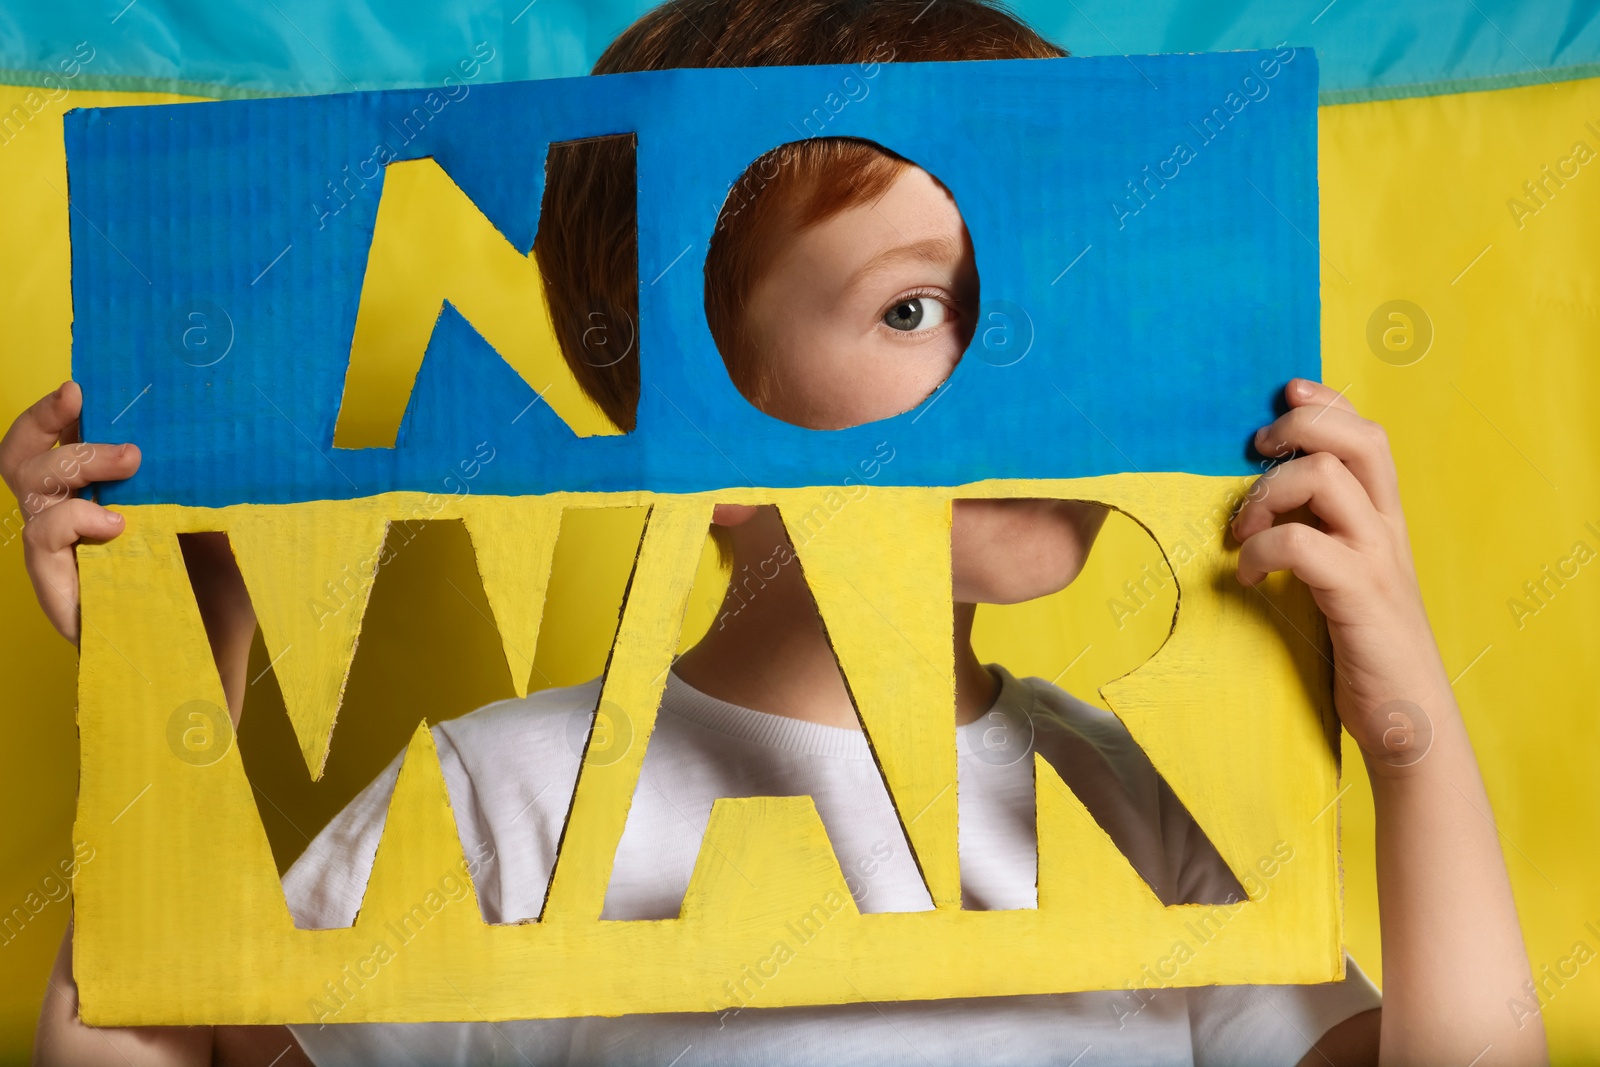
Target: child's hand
(43, 479)
(1356, 557)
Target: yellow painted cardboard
(433, 244)
(309, 571)
(515, 546)
(184, 887)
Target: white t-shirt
(510, 768)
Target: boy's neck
(767, 650)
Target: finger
(58, 528)
(1361, 444)
(1319, 480)
(50, 477)
(1314, 557)
(39, 428)
(55, 584)
(47, 548)
(1302, 391)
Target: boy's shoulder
(1053, 705)
(557, 716)
(1057, 718)
(1100, 761)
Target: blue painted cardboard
(1181, 194)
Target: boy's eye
(919, 312)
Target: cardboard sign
(1145, 238)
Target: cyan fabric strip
(1365, 50)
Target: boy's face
(861, 317)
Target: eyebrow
(929, 249)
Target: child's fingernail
(116, 520)
(1302, 389)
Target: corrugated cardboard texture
(1234, 710)
(1186, 183)
(1164, 292)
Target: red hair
(587, 245)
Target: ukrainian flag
(1460, 183)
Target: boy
(841, 292)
